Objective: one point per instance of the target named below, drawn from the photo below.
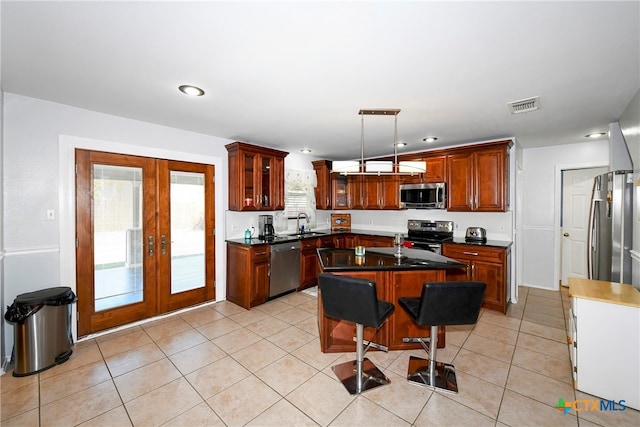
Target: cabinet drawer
(460, 251)
(308, 244)
(261, 251)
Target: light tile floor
(221, 365)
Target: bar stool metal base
(444, 378)
(372, 377)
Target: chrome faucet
(300, 215)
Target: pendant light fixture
(378, 167)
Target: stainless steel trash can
(43, 336)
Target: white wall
(2, 303)
(34, 144)
(540, 179)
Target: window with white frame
(299, 194)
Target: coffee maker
(265, 227)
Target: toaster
(476, 234)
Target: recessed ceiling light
(430, 139)
(401, 144)
(305, 151)
(595, 135)
(191, 90)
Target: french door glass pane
(187, 231)
(117, 218)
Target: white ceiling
(290, 75)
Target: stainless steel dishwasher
(284, 273)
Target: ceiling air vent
(524, 105)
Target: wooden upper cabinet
(347, 191)
(323, 189)
(459, 182)
(341, 199)
(491, 180)
(381, 192)
(256, 177)
(477, 179)
(436, 169)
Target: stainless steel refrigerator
(610, 227)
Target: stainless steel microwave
(432, 195)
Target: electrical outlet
(234, 227)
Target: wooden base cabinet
(308, 263)
(247, 274)
(337, 335)
(373, 241)
(485, 264)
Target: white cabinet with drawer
(605, 340)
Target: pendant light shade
(379, 167)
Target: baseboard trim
(5, 365)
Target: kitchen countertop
(598, 290)
(314, 234)
(383, 259)
(327, 232)
(491, 243)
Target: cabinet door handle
(150, 248)
(471, 253)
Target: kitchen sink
(306, 234)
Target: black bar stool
(441, 304)
(354, 300)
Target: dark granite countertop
(327, 232)
(309, 235)
(281, 238)
(345, 259)
(491, 243)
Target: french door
(144, 237)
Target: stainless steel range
(428, 235)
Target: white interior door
(577, 185)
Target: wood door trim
(88, 320)
(166, 301)
(84, 252)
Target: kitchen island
(604, 339)
(395, 278)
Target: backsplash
(499, 226)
